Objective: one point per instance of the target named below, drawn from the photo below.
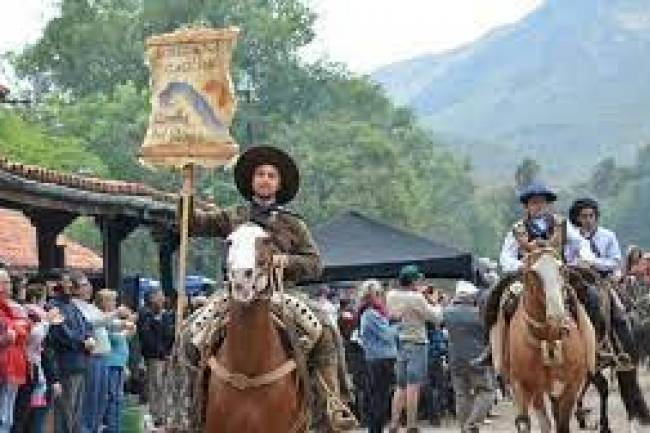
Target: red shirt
(13, 356)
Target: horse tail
(632, 396)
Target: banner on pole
(192, 98)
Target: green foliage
(85, 230)
(627, 208)
(24, 142)
(110, 126)
(355, 148)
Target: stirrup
(606, 359)
(338, 413)
(341, 417)
(624, 362)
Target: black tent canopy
(354, 247)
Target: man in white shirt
(540, 227)
(584, 214)
(412, 308)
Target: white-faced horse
(254, 384)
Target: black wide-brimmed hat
(537, 189)
(260, 155)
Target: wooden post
(166, 265)
(186, 196)
(48, 224)
(114, 231)
(167, 241)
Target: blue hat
(537, 189)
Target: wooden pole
(186, 195)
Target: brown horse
(254, 384)
(546, 354)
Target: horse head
(544, 270)
(248, 263)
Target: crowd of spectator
(68, 349)
(65, 352)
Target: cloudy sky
(364, 34)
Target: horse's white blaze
(241, 262)
(557, 388)
(548, 269)
(241, 253)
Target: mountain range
(568, 85)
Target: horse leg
(632, 396)
(542, 414)
(600, 381)
(522, 401)
(581, 412)
(562, 410)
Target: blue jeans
(380, 376)
(7, 401)
(68, 408)
(435, 393)
(95, 395)
(114, 403)
(37, 415)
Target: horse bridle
(243, 382)
(530, 259)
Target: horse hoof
(522, 423)
(634, 426)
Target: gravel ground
(503, 421)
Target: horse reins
(243, 382)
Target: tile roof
(84, 194)
(19, 251)
(93, 184)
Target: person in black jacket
(67, 347)
(472, 384)
(156, 334)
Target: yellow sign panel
(193, 100)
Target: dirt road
(503, 422)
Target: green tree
(22, 141)
(527, 171)
(355, 148)
(90, 47)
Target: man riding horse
(540, 228)
(268, 178)
(618, 335)
(585, 214)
